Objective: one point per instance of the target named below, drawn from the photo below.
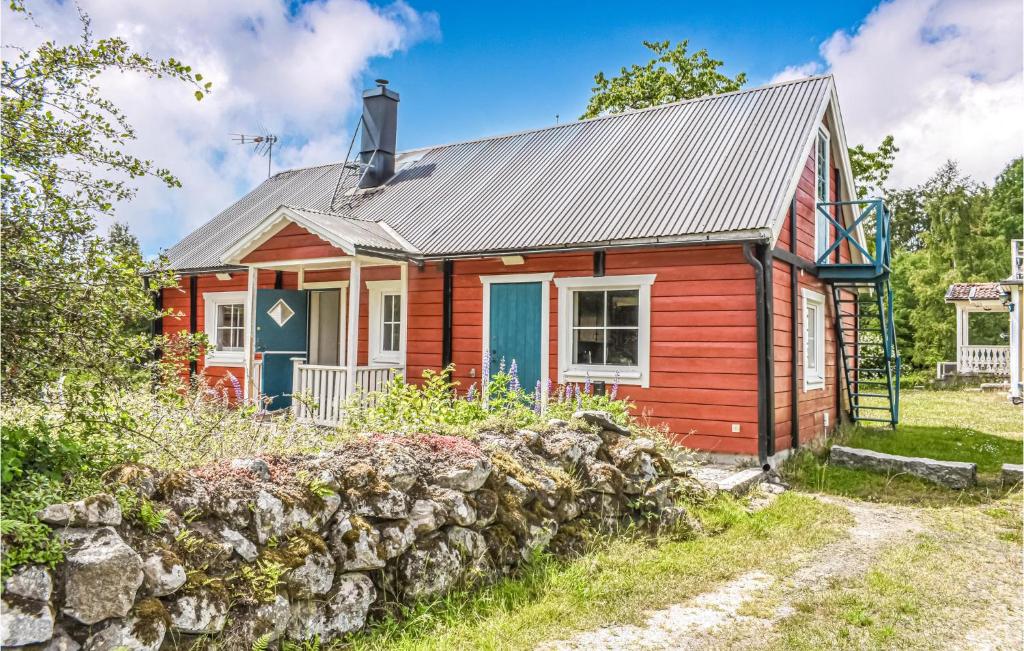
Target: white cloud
(943, 76)
(297, 74)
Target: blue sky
(500, 67)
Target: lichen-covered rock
(639, 474)
(539, 537)
(30, 582)
(430, 568)
(678, 521)
(24, 621)
(60, 641)
(198, 612)
(383, 502)
(341, 613)
(270, 619)
(658, 496)
(604, 478)
(467, 476)
(94, 511)
(101, 574)
(313, 578)
(557, 423)
(426, 516)
(163, 574)
(184, 493)
(570, 448)
(398, 467)
(529, 437)
(129, 633)
(356, 544)
(239, 543)
(142, 479)
(485, 501)
(471, 545)
(396, 536)
(602, 419)
(456, 506)
(233, 509)
(258, 468)
(268, 517)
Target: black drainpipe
(193, 296)
(769, 344)
(446, 313)
(278, 280)
(794, 335)
(762, 376)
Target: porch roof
(715, 168)
(973, 292)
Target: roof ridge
(609, 116)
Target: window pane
(811, 345)
(391, 338)
(588, 309)
(396, 308)
(588, 346)
(622, 347)
(623, 308)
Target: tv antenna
(261, 145)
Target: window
(385, 321)
(605, 326)
(225, 326)
(822, 226)
(814, 340)
(604, 329)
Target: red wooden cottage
(680, 250)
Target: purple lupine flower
(485, 369)
(471, 394)
(615, 386)
(579, 397)
(236, 386)
(513, 371)
(501, 365)
(537, 398)
(587, 386)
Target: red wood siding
(813, 404)
(292, 243)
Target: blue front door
(515, 311)
(281, 325)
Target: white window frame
(813, 382)
(378, 289)
(634, 375)
(211, 302)
(821, 246)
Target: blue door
(515, 310)
(281, 325)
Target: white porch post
(1015, 343)
(352, 331)
(249, 349)
(403, 337)
(962, 326)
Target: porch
(974, 357)
(333, 327)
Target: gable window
(604, 329)
(822, 227)
(814, 340)
(225, 327)
(385, 321)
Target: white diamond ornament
(280, 312)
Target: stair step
(871, 395)
(874, 420)
(860, 407)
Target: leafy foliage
(72, 300)
(871, 169)
(672, 75)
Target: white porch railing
(984, 360)
(325, 388)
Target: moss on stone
(299, 544)
(508, 465)
(149, 613)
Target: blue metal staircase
(862, 297)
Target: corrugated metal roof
(718, 166)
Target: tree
(69, 296)
(871, 168)
(673, 75)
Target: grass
(955, 426)
(619, 582)
(942, 589)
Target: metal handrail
(881, 259)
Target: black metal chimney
(379, 134)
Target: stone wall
(303, 546)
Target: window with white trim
(385, 321)
(814, 340)
(604, 328)
(822, 227)
(225, 328)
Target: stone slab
(740, 483)
(1012, 474)
(952, 474)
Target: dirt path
(703, 621)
